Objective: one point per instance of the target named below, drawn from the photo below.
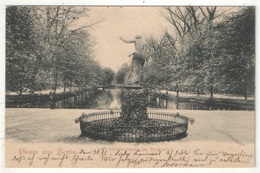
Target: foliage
(164, 58)
(19, 46)
(108, 76)
(47, 48)
(122, 74)
(237, 48)
(210, 49)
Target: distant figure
(138, 60)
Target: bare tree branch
(87, 26)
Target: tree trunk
(22, 79)
(166, 98)
(65, 84)
(211, 91)
(198, 91)
(177, 96)
(21, 87)
(35, 71)
(56, 81)
(177, 90)
(245, 91)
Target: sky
(127, 22)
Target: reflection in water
(155, 102)
(103, 100)
(110, 99)
(116, 99)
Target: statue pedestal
(134, 105)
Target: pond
(110, 99)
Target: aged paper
(42, 136)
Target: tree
(76, 60)
(122, 74)
(47, 48)
(236, 42)
(59, 28)
(194, 43)
(109, 75)
(162, 68)
(20, 43)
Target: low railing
(97, 116)
(106, 115)
(164, 126)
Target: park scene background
(200, 63)
(203, 51)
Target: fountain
(134, 123)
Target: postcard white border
(4, 3)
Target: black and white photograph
(130, 86)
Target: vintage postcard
(130, 86)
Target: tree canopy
(46, 48)
(208, 49)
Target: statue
(138, 61)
